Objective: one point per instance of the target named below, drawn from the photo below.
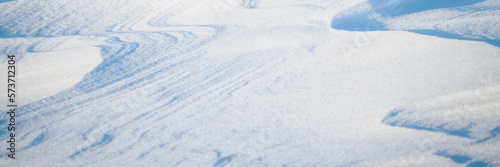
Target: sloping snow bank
(46, 66)
(470, 20)
(471, 114)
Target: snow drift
(251, 83)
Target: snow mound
(46, 66)
(473, 114)
(467, 20)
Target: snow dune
(466, 20)
(470, 114)
(251, 83)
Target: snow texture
(253, 82)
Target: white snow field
(252, 82)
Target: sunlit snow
(253, 82)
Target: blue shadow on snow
(2, 1)
(391, 120)
(361, 20)
(392, 8)
(4, 34)
(462, 159)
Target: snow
(253, 83)
(470, 20)
(469, 114)
(49, 66)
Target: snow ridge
(465, 20)
(470, 114)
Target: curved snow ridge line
(464, 20)
(472, 114)
(112, 54)
(36, 48)
(71, 17)
(41, 105)
(158, 117)
(110, 64)
(33, 55)
(119, 50)
(162, 111)
(144, 59)
(143, 21)
(151, 22)
(65, 111)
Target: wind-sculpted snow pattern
(252, 83)
(466, 20)
(470, 114)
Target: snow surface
(470, 20)
(254, 82)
